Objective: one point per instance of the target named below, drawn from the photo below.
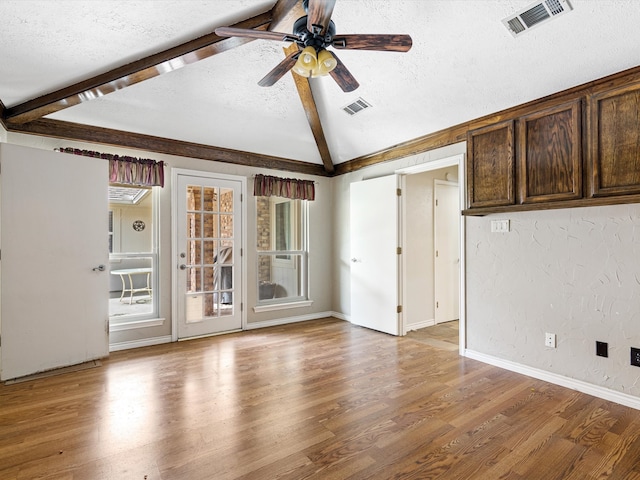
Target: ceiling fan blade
(278, 72)
(381, 42)
(343, 77)
(248, 33)
(319, 13)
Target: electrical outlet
(550, 340)
(635, 357)
(602, 349)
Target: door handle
(183, 267)
(354, 260)
(99, 268)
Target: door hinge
(437, 304)
(436, 202)
(241, 197)
(398, 191)
(436, 253)
(399, 250)
(399, 309)
(241, 307)
(240, 252)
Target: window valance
(125, 170)
(267, 186)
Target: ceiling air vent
(535, 14)
(357, 106)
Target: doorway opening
(433, 252)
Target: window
(132, 254)
(282, 250)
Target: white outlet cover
(550, 340)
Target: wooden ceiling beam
(118, 138)
(313, 117)
(284, 14)
(132, 73)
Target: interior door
(208, 267)
(447, 251)
(54, 239)
(374, 258)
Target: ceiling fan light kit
(313, 34)
(314, 64)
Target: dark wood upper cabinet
(549, 154)
(614, 142)
(491, 166)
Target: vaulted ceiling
(152, 74)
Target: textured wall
(573, 272)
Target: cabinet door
(490, 166)
(550, 154)
(614, 147)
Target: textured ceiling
(463, 64)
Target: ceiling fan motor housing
(311, 39)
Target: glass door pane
(209, 258)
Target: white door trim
(460, 161)
(175, 172)
(436, 185)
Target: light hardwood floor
(314, 400)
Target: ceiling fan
(313, 34)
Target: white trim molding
(282, 306)
(145, 342)
(341, 316)
(419, 325)
(584, 387)
(135, 324)
(286, 320)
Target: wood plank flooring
(313, 400)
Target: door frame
(458, 160)
(436, 185)
(175, 172)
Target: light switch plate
(500, 226)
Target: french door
(208, 240)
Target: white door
(447, 251)
(374, 257)
(55, 255)
(208, 263)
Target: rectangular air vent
(536, 14)
(357, 106)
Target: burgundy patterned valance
(125, 170)
(267, 186)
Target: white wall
(572, 272)
(320, 267)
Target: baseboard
(145, 342)
(340, 316)
(285, 320)
(419, 325)
(579, 385)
